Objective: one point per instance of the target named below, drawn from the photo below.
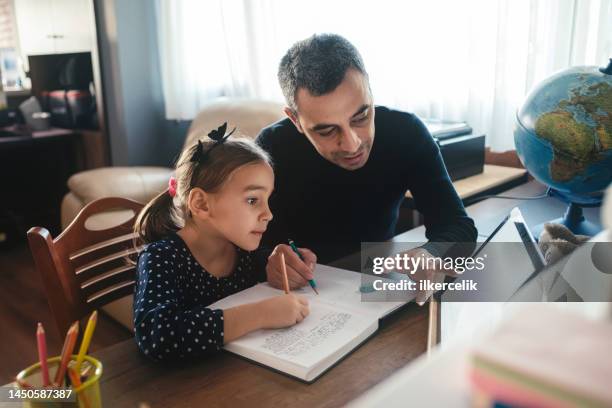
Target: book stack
(445, 129)
(544, 357)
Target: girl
(199, 233)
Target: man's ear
(292, 115)
(198, 203)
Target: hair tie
(172, 186)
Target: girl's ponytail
(157, 219)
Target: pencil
(284, 269)
(42, 353)
(311, 282)
(91, 326)
(85, 372)
(74, 378)
(76, 383)
(69, 342)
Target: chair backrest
(83, 269)
(249, 116)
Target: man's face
(340, 124)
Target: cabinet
(35, 169)
(54, 26)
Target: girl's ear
(198, 203)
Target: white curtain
(472, 60)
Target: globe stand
(573, 218)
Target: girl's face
(239, 211)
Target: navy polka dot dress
(172, 292)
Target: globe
(563, 136)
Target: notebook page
(341, 287)
(327, 331)
(336, 287)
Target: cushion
(137, 183)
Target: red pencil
(42, 353)
(69, 343)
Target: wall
(139, 133)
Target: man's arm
(449, 230)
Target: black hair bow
(219, 137)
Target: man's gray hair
(317, 64)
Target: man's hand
(433, 274)
(298, 272)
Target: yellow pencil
(91, 326)
(284, 269)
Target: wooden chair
(83, 269)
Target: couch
(141, 183)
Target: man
(343, 166)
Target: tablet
(512, 257)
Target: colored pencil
(284, 269)
(311, 282)
(85, 372)
(42, 353)
(74, 379)
(91, 326)
(69, 343)
(76, 383)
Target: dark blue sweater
(332, 210)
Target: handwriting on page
(295, 341)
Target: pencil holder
(87, 394)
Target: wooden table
(129, 379)
(227, 380)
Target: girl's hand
(283, 311)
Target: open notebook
(338, 322)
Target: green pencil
(312, 282)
